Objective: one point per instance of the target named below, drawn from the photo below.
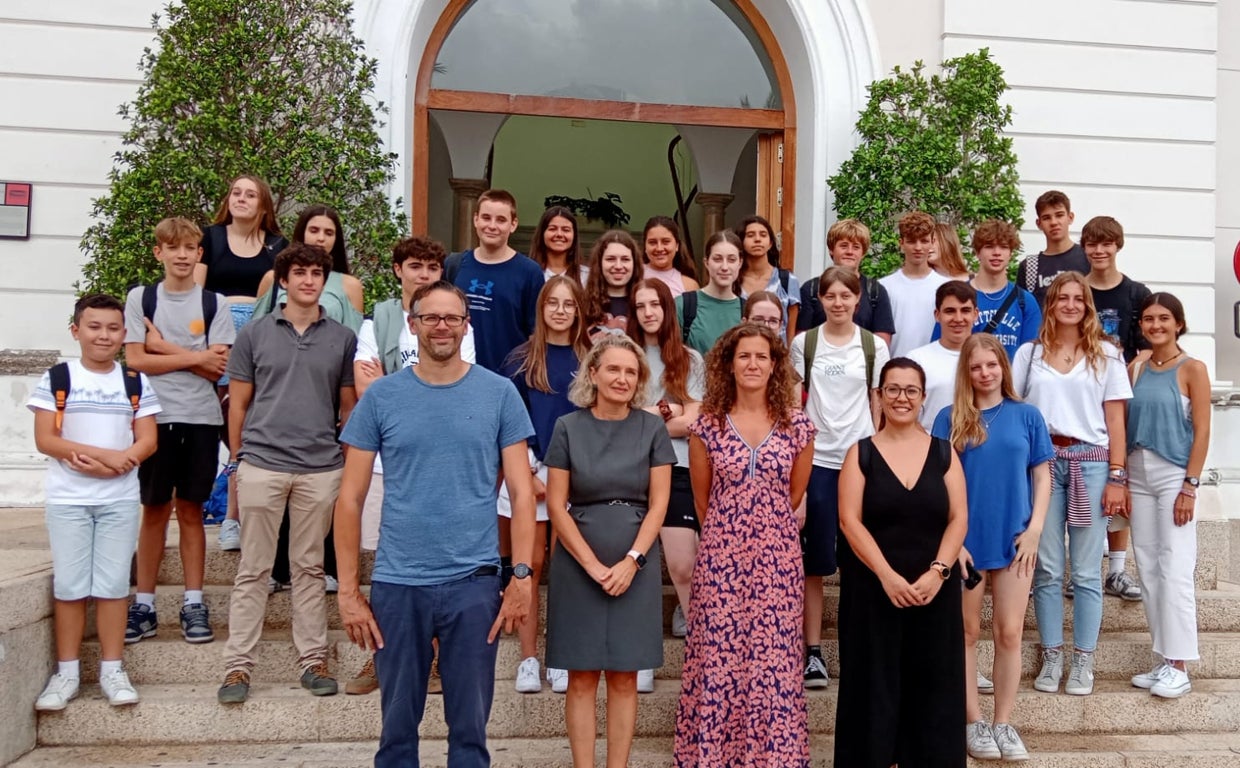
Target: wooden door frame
(426, 99)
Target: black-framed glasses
(430, 320)
(893, 392)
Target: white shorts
(503, 505)
(372, 513)
(92, 547)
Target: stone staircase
(178, 723)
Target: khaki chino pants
(261, 498)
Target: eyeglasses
(770, 322)
(893, 392)
(567, 306)
(452, 321)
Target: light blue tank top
(1156, 417)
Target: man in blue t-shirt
(445, 430)
(501, 286)
(1003, 307)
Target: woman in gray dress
(608, 481)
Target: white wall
(1227, 195)
(1114, 104)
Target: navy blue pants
(460, 614)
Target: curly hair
(596, 288)
(584, 394)
(781, 388)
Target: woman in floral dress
(742, 701)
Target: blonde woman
(1005, 451)
(1078, 381)
(612, 462)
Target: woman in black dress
(903, 516)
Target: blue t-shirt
(1019, 324)
(997, 477)
(503, 302)
(440, 447)
(545, 407)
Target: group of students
(756, 433)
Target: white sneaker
(57, 694)
(118, 689)
(230, 535)
(1147, 680)
(980, 742)
(680, 627)
(558, 679)
(1010, 745)
(985, 684)
(330, 585)
(527, 676)
(1173, 684)
(645, 681)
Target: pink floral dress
(742, 700)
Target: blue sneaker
(141, 623)
(196, 624)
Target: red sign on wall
(15, 210)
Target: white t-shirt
(98, 413)
(368, 349)
(912, 309)
(1071, 402)
(695, 385)
(582, 270)
(839, 398)
(940, 364)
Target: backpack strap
(688, 306)
(811, 348)
(871, 288)
(784, 276)
(867, 349)
(452, 266)
(58, 380)
(133, 387)
(210, 304)
(1031, 273)
(150, 296)
(1001, 313)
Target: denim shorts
(92, 548)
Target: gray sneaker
(981, 742)
(140, 623)
(1081, 677)
(1010, 745)
(680, 627)
(1122, 586)
(1047, 680)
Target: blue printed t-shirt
(997, 477)
(503, 302)
(1018, 325)
(440, 446)
(545, 407)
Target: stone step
(189, 714)
(1187, 750)
(167, 659)
(1218, 610)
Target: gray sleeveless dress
(609, 464)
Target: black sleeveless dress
(901, 697)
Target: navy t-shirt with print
(503, 302)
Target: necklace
(993, 416)
(1161, 363)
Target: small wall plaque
(15, 199)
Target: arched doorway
(702, 66)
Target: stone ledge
(27, 362)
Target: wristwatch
(638, 558)
(943, 570)
(521, 571)
(1193, 481)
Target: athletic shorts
(822, 521)
(680, 509)
(185, 463)
(503, 504)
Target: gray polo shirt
(291, 422)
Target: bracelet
(1189, 494)
(665, 410)
(1122, 482)
(231, 468)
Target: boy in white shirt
(955, 312)
(96, 420)
(912, 287)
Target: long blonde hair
(1091, 327)
(968, 431)
(533, 353)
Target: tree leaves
(277, 88)
(932, 144)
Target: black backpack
(59, 380)
(150, 295)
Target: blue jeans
(822, 521)
(460, 614)
(1085, 547)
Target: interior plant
(604, 208)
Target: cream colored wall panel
(65, 105)
(908, 31)
(64, 158)
(1046, 160)
(62, 211)
(1198, 301)
(1227, 195)
(36, 320)
(1113, 22)
(1069, 113)
(1161, 213)
(1228, 45)
(75, 52)
(1086, 68)
(41, 264)
(107, 13)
